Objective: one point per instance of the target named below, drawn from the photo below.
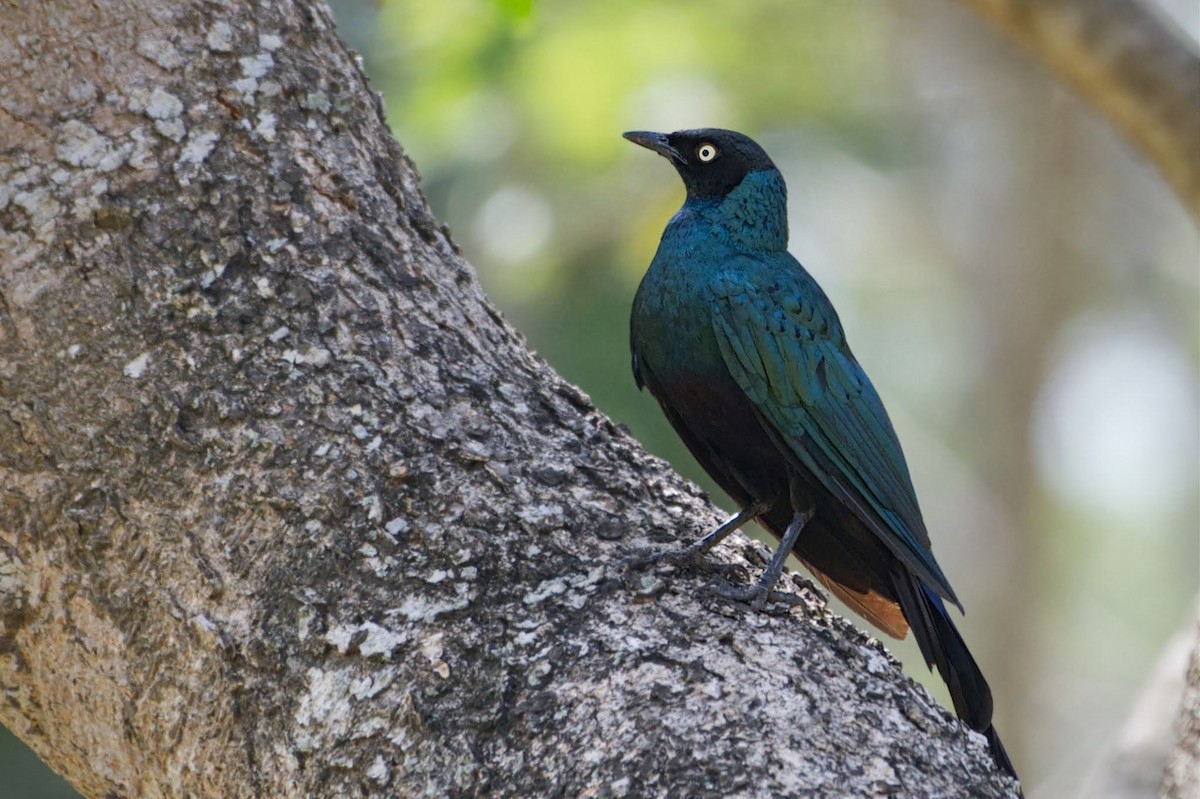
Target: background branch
(1128, 62)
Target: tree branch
(286, 509)
(1183, 769)
(1129, 63)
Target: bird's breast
(672, 328)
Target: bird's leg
(758, 593)
(696, 550)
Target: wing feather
(791, 360)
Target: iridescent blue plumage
(747, 358)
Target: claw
(757, 595)
(692, 555)
(761, 591)
(646, 560)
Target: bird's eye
(706, 152)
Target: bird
(748, 360)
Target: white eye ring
(706, 152)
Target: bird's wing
(786, 352)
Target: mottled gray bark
(286, 508)
(1182, 778)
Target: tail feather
(943, 648)
(998, 752)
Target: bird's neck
(753, 216)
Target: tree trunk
(288, 510)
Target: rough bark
(1128, 62)
(286, 508)
(1182, 778)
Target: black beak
(656, 142)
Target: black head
(711, 161)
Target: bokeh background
(1020, 284)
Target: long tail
(943, 647)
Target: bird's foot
(694, 553)
(643, 574)
(688, 557)
(757, 595)
(648, 560)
